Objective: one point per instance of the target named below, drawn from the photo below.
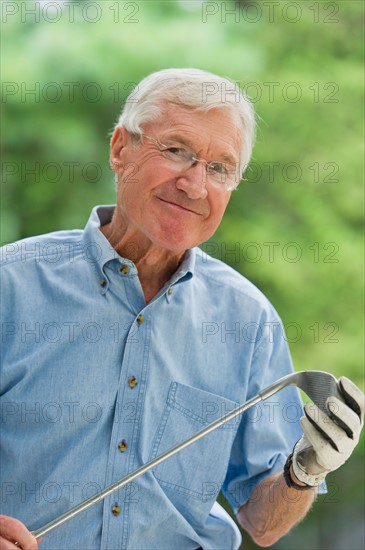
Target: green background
(294, 227)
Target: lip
(179, 206)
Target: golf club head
(318, 385)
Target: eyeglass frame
(194, 159)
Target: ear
(117, 144)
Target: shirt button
(170, 291)
(116, 510)
(102, 282)
(124, 269)
(140, 319)
(132, 382)
(122, 446)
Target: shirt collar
(97, 247)
(185, 271)
(99, 251)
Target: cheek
(142, 179)
(210, 225)
(134, 164)
(128, 191)
(218, 207)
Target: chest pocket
(199, 470)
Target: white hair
(199, 90)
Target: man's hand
(13, 530)
(329, 440)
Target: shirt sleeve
(269, 430)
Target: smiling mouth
(179, 206)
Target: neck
(155, 264)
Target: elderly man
(107, 360)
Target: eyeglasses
(220, 174)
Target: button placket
(126, 428)
(132, 380)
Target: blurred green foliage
(294, 226)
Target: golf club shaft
(264, 394)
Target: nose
(192, 181)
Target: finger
(325, 453)
(7, 545)
(327, 429)
(344, 416)
(353, 396)
(13, 530)
(311, 415)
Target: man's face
(172, 209)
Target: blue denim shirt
(95, 382)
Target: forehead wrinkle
(173, 126)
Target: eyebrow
(225, 157)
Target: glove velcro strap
(288, 479)
(299, 469)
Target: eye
(218, 168)
(175, 152)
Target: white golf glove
(328, 441)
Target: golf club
(318, 385)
